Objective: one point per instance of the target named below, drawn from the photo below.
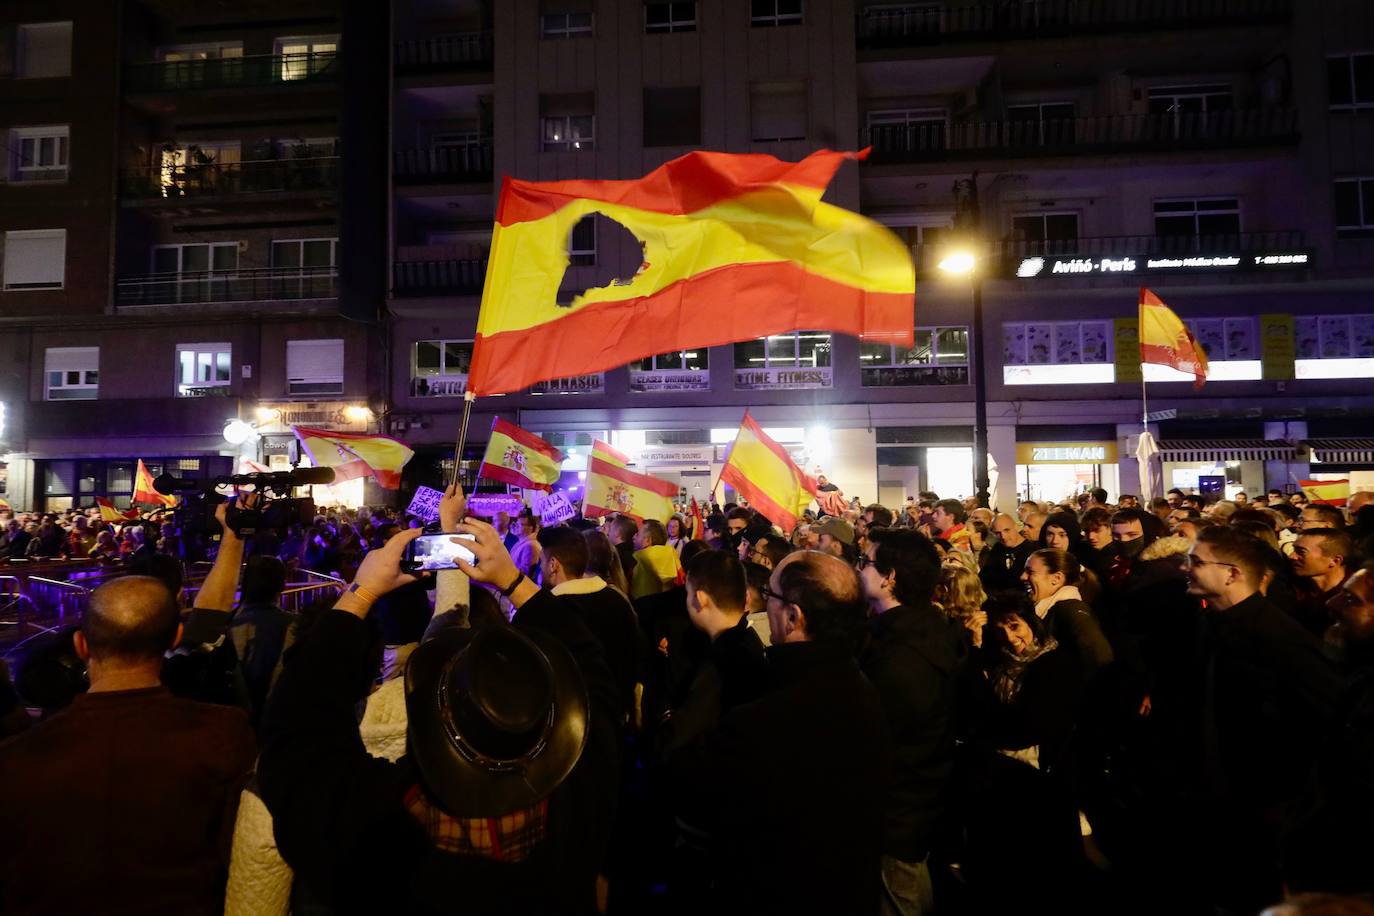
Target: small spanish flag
(1327, 492)
(108, 512)
(520, 458)
(354, 455)
(763, 473)
(144, 491)
(1165, 340)
(606, 453)
(612, 489)
(736, 247)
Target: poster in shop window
(1276, 346)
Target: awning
(1342, 451)
(1225, 450)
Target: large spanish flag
(144, 492)
(1327, 492)
(606, 453)
(736, 247)
(1166, 340)
(353, 455)
(763, 473)
(520, 458)
(612, 489)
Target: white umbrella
(1151, 468)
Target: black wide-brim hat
(497, 717)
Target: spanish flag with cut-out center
(353, 455)
(736, 247)
(612, 489)
(519, 458)
(763, 473)
(1166, 340)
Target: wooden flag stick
(468, 398)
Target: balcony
(251, 285)
(468, 162)
(921, 24)
(439, 278)
(215, 179)
(460, 51)
(1165, 132)
(311, 68)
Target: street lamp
(962, 262)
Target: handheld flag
(606, 453)
(108, 512)
(1166, 341)
(698, 523)
(763, 473)
(1327, 492)
(144, 491)
(736, 247)
(354, 455)
(612, 489)
(520, 458)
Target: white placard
(425, 505)
(553, 508)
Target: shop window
(1355, 207)
(203, 369)
(38, 153)
(939, 357)
(670, 16)
(777, 112)
(1334, 346)
(59, 478)
(1212, 216)
(35, 259)
(676, 361)
(1350, 80)
(765, 14)
(1054, 343)
(1226, 339)
(314, 366)
(565, 25)
(43, 50)
(798, 350)
(672, 116)
(71, 373)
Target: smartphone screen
(438, 551)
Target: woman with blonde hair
(604, 561)
(960, 593)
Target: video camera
(275, 509)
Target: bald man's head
(827, 590)
(133, 618)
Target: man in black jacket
(914, 658)
(1008, 556)
(792, 786)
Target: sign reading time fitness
(1126, 265)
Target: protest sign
(553, 508)
(425, 505)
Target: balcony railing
(460, 51)
(444, 164)
(913, 24)
(934, 141)
(1009, 252)
(437, 278)
(233, 72)
(252, 285)
(216, 179)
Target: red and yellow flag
(698, 523)
(108, 512)
(736, 247)
(763, 473)
(606, 453)
(354, 455)
(143, 489)
(1327, 492)
(520, 458)
(612, 489)
(1166, 340)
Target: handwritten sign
(488, 504)
(553, 508)
(425, 505)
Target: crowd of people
(931, 708)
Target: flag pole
(1144, 403)
(468, 398)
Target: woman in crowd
(961, 594)
(603, 560)
(1053, 580)
(677, 532)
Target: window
(672, 116)
(565, 25)
(201, 367)
(777, 111)
(1350, 80)
(1041, 123)
(800, 349)
(582, 242)
(1226, 339)
(1202, 217)
(38, 153)
(939, 357)
(900, 20)
(670, 16)
(1355, 208)
(768, 13)
(314, 366)
(568, 121)
(678, 360)
(907, 129)
(35, 259)
(1044, 227)
(305, 254)
(439, 368)
(43, 50)
(302, 58)
(71, 373)
(199, 168)
(1334, 336)
(197, 258)
(1054, 343)
(1189, 111)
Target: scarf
(1067, 593)
(1007, 682)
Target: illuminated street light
(958, 263)
(355, 414)
(237, 432)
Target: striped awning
(1342, 451)
(1225, 450)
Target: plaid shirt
(508, 838)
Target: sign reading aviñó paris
(1073, 265)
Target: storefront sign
(280, 416)
(446, 386)
(1066, 453)
(782, 379)
(675, 454)
(1127, 334)
(671, 380)
(1125, 265)
(1278, 351)
(578, 384)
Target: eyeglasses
(1190, 561)
(861, 561)
(769, 593)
